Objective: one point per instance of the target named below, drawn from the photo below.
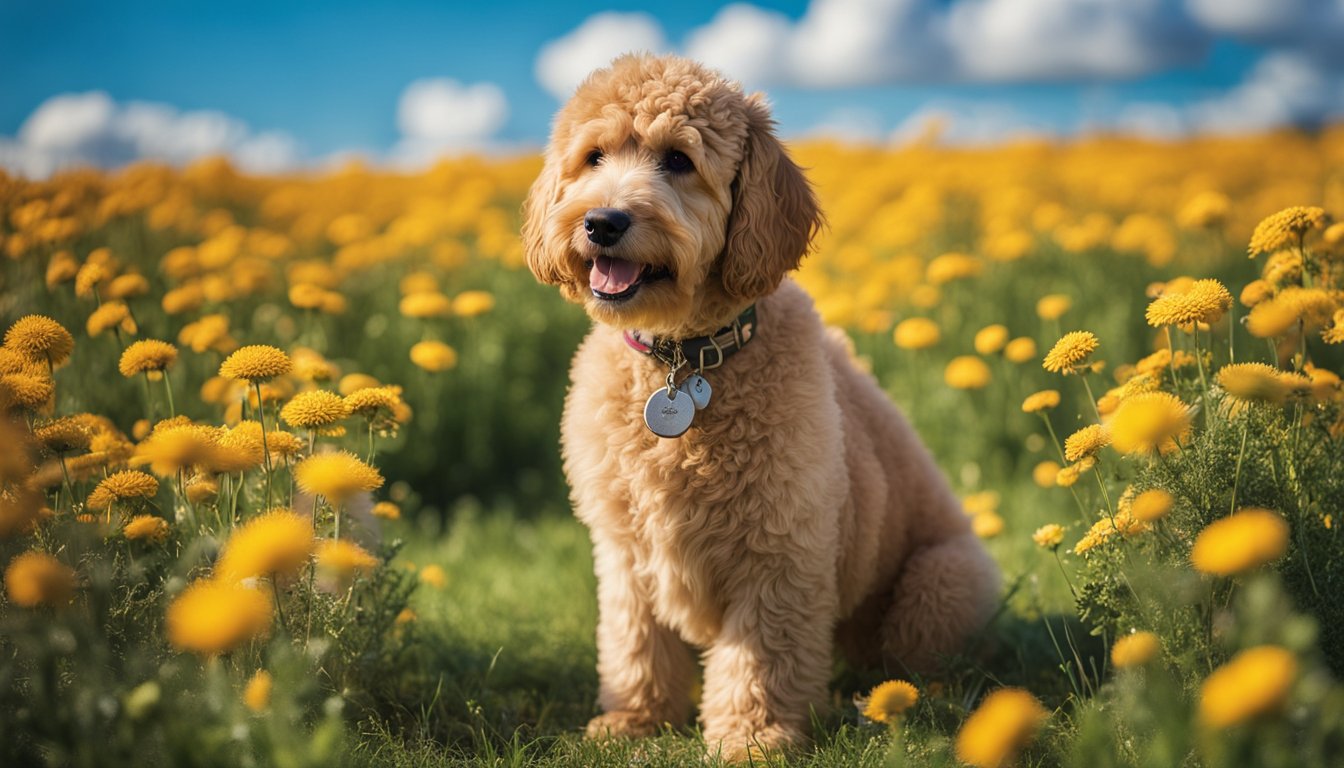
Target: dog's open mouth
(616, 279)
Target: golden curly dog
(799, 511)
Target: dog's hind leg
(644, 669)
(945, 594)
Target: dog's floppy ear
(774, 212)
(544, 192)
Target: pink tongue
(611, 275)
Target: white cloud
(840, 43)
(440, 116)
(563, 63)
(745, 43)
(74, 129)
(853, 124)
(1282, 89)
(970, 123)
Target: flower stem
(168, 386)
(265, 450)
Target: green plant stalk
(265, 449)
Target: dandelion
(1135, 650)
(473, 303)
(1151, 505)
(1204, 302)
(109, 315)
(89, 277)
(916, 333)
(36, 578)
(1244, 540)
(336, 476)
(1149, 422)
(966, 372)
(1205, 210)
(147, 355)
(257, 692)
(40, 338)
(1255, 682)
(990, 339)
(1020, 350)
(274, 544)
(889, 701)
(146, 527)
(1087, 441)
(369, 402)
(1049, 536)
(386, 510)
(255, 363)
(1285, 228)
(1255, 292)
(426, 304)
(1252, 381)
(127, 286)
(175, 446)
(980, 503)
(1053, 306)
(1070, 353)
(1044, 473)
(127, 485)
(434, 576)
(1040, 402)
(353, 382)
(433, 356)
(214, 617)
(952, 266)
(341, 561)
(63, 435)
(209, 332)
(987, 526)
(1005, 722)
(1123, 523)
(315, 410)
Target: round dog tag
(667, 415)
(698, 388)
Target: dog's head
(666, 203)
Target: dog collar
(701, 353)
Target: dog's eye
(593, 158)
(676, 161)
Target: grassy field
(280, 484)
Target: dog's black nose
(606, 225)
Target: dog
(796, 511)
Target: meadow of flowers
(272, 446)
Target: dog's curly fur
(800, 512)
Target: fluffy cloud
(968, 123)
(563, 63)
(91, 128)
(438, 116)
(1282, 89)
(750, 44)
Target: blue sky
(293, 83)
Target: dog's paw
(741, 748)
(621, 724)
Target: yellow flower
(426, 304)
(61, 269)
(369, 401)
(340, 561)
(336, 476)
(175, 446)
(36, 578)
(1135, 650)
(123, 486)
(966, 372)
(1255, 682)
(387, 510)
(1272, 318)
(110, 315)
(888, 701)
(306, 295)
(27, 390)
(202, 489)
(433, 356)
(63, 435)
(309, 365)
(1006, 721)
(1040, 402)
(1149, 422)
(257, 693)
(213, 617)
(1285, 228)
(1086, 442)
(1204, 301)
(1044, 473)
(990, 339)
(1255, 292)
(209, 332)
(147, 355)
(1206, 209)
(434, 576)
(916, 333)
(473, 303)
(1053, 306)
(1048, 536)
(315, 410)
(1020, 350)
(1070, 353)
(980, 503)
(127, 286)
(353, 382)
(38, 337)
(255, 363)
(1252, 381)
(1241, 541)
(952, 266)
(1151, 505)
(1123, 523)
(274, 544)
(987, 525)
(147, 527)
(238, 449)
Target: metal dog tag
(698, 388)
(667, 415)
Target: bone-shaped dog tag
(669, 414)
(698, 388)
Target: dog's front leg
(644, 669)
(770, 664)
